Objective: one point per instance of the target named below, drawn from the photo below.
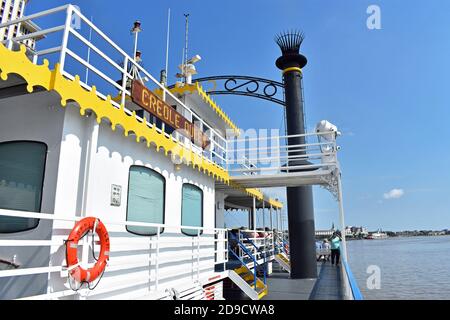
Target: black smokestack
(299, 199)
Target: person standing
(326, 250)
(318, 250)
(335, 243)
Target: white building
(12, 10)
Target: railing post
(225, 251)
(157, 259)
(271, 224)
(65, 39)
(264, 229)
(124, 81)
(211, 145)
(198, 254)
(341, 216)
(226, 153)
(254, 217)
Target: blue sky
(386, 90)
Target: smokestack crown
(289, 43)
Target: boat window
(191, 209)
(146, 191)
(22, 166)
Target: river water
(409, 268)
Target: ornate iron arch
(245, 86)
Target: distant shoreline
(401, 236)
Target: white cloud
(394, 194)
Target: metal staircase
(282, 254)
(246, 276)
(283, 261)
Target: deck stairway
(283, 261)
(282, 253)
(250, 276)
(244, 278)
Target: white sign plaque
(116, 194)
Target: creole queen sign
(150, 102)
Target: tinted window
(146, 191)
(191, 208)
(22, 166)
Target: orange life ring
(81, 228)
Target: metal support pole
(271, 230)
(341, 217)
(264, 215)
(65, 38)
(264, 226)
(157, 259)
(270, 211)
(135, 44)
(278, 219)
(254, 224)
(254, 215)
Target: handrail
(256, 264)
(292, 136)
(48, 216)
(144, 249)
(262, 253)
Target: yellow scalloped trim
(16, 62)
(255, 192)
(276, 204)
(207, 98)
(258, 194)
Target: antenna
(163, 75)
(167, 42)
(187, 65)
(136, 54)
(186, 15)
(89, 51)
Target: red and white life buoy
(81, 228)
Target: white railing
(282, 154)
(104, 65)
(281, 244)
(81, 48)
(152, 254)
(259, 243)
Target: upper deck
(88, 58)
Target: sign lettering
(151, 103)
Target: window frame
(42, 185)
(164, 201)
(202, 210)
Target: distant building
(349, 231)
(12, 10)
(325, 233)
(359, 232)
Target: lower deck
(328, 285)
